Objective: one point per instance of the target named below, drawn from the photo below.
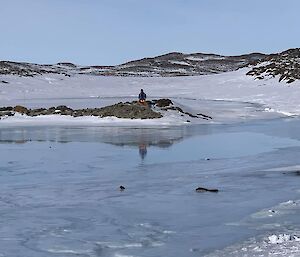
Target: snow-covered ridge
(179, 64)
(167, 65)
(284, 66)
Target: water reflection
(192, 142)
(143, 150)
(141, 138)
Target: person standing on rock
(142, 97)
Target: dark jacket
(142, 96)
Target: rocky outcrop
(121, 110)
(162, 102)
(285, 66)
(128, 110)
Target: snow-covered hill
(172, 64)
(285, 66)
(178, 64)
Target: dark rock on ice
(202, 189)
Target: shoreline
(219, 112)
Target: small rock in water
(202, 189)
(122, 188)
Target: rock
(191, 115)
(202, 189)
(176, 108)
(68, 64)
(6, 113)
(20, 109)
(4, 109)
(206, 117)
(63, 108)
(37, 112)
(164, 102)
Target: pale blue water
(59, 191)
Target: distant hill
(178, 64)
(285, 65)
(171, 64)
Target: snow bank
(171, 119)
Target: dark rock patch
(203, 189)
(68, 64)
(199, 115)
(293, 173)
(4, 109)
(163, 102)
(206, 117)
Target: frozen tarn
(60, 188)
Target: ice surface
(60, 189)
(60, 180)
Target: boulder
(164, 102)
(20, 109)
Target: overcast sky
(108, 32)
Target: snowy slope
(235, 86)
(52, 89)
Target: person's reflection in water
(143, 150)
